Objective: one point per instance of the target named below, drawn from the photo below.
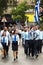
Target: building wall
(11, 3)
(30, 2)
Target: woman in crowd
(4, 42)
(15, 41)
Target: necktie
(28, 35)
(3, 39)
(15, 38)
(33, 35)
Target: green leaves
(19, 12)
(3, 5)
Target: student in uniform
(40, 46)
(37, 45)
(4, 42)
(29, 40)
(8, 35)
(22, 32)
(26, 42)
(23, 37)
(15, 41)
(38, 38)
(33, 41)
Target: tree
(20, 10)
(41, 1)
(3, 5)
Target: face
(5, 28)
(41, 9)
(34, 28)
(4, 34)
(28, 29)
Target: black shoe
(36, 56)
(16, 57)
(7, 53)
(3, 57)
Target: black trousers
(36, 44)
(26, 47)
(7, 47)
(30, 46)
(39, 46)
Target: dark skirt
(15, 46)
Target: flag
(36, 17)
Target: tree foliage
(3, 5)
(20, 10)
(41, 1)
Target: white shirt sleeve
(20, 31)
(6, 40)
(18, 39)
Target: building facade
(16, 2)
(12, 3)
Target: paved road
(22, 60)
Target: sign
(30, 17)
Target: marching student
(22, 32)
(37, 41)
(15, 42)
(26, 46)
(33, 41)
(29, 40)
(4, 42)
(23, 37)
(5, 29)
(40, 42)
(38, 38)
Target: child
(4, 42)
(15, 41)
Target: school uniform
(38, 40)
(0, 37)
(42, 37)
(15, 42)
(40, 46)
(2, 32)
(8, 36)
(29, 42)
(26, 43)
(4, 42)
(33, 36)
(23, 38)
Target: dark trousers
(7, 47)
(36, 47)
(23, 42)
(26, 47)
(30, 46)
(40, 46)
